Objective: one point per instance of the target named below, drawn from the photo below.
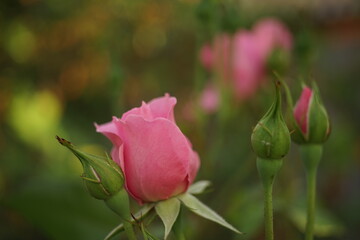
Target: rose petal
(301, 109)
(193, 166)
(110, 130)
(163, 107)
(143, 111)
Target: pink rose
(301, 110)
(157, 159)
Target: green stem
(268, 212)
(311, 198)
(178, 227)
(129, 231)
(268, 169)
(311, 155)
(119, 203)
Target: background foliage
(67, 64)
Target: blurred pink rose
(209, 99)
(271, 34)
(301, 109)
(206, 56)
(240, 60)
(157, 159)
(248, 65)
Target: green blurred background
(67, 64)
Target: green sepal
(168, 211)
(319, 125)
(199, 187)
(194, 205)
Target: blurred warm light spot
(33, 116)
(4, 96)
(156, 13)
(2, 184)
(190, 1)
(148, 39)
(28, 2)
(88, 73)
(73, 79)
(98, 66)
(20, 43)
(89, 24)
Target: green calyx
(271, 138)
(319, 125)
(102, 176)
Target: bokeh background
(67, 64)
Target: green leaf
(139, 215)
(199, 187)
(168, 211)
(204, 211)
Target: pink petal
(144, 111)
(301, 109)
(193, 167)
(163, 107)
(110, 130)
(156, 158)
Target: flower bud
(103, 177)
(271, 138)
(311, 118)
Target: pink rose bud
(311, 118)
(156, 158)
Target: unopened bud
(271, 138)
(311, 118)
(102, 176)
